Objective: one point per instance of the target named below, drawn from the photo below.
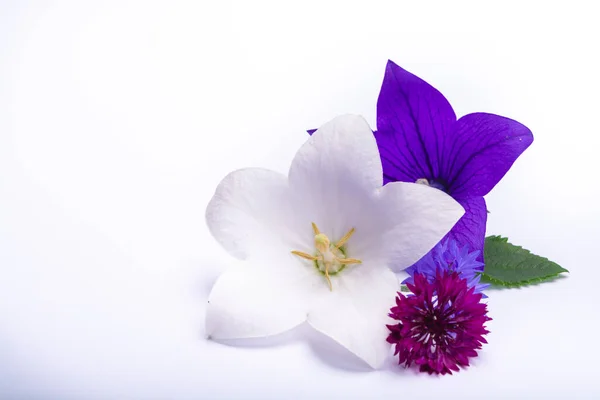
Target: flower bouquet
(325, 244)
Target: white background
(118, 120)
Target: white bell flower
(319, 242)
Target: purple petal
(481, 150)
(412, 121)
(470, 229)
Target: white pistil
(423, 181)
(329, 254)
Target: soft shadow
(413, 371)
(480, 360)
(205, 275)
(204, 284)
(324, 348)
(294, 335)
(333, 354)
(400, 371)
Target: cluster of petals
(440, 325)
(318, 246)
(449, 256)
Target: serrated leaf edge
(497, 282)
(494, 281)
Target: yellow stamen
(343, 240)
(328, 253)
(305, 255)
(348, 261)
(322, 243)
(315, 229)
(327, 264)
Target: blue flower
(448, 256)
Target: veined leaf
(513, 266)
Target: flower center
(435, 325)
(432, 183)
(329, 258)
(439, 325)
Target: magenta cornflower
(441, 324)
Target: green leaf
(513, 266)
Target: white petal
(416, 218)
(336, 173)
(249, 301)
(251, 214)
(354, 314)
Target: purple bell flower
(421, 140)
